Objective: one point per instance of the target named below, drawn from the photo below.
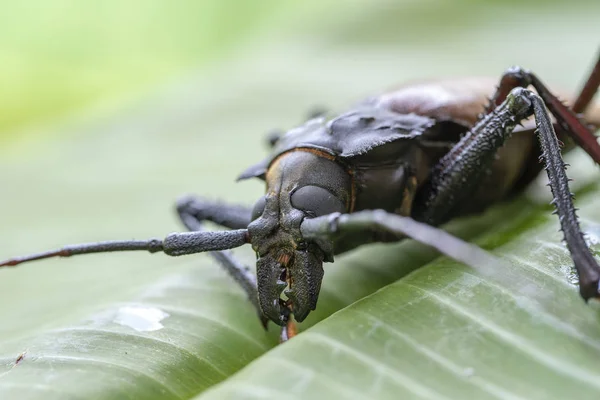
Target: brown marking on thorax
(273, 172)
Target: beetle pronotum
(396, 165)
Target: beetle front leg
(461, 170)
(194, 210)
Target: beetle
(393, 166)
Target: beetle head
(300, 184)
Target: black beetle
(394, 166)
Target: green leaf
(445, 331)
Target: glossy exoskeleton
(391, 167)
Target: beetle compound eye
(316, 201)
(259, 208)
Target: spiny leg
(437, 212)
(588, 90)
(567, 118)
(457, 173)
(462, 169)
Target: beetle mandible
(394, 166)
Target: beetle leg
(588, 90)
(381, 223)
(461, 170)
(566, 118)
(193, 210)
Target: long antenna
(175, 244)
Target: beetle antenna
(175, 244)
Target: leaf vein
(155, 340)
(561, 366)
(444, 362)
(396, 376)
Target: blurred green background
(61, 57)
(110, 110)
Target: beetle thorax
(288, 201)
